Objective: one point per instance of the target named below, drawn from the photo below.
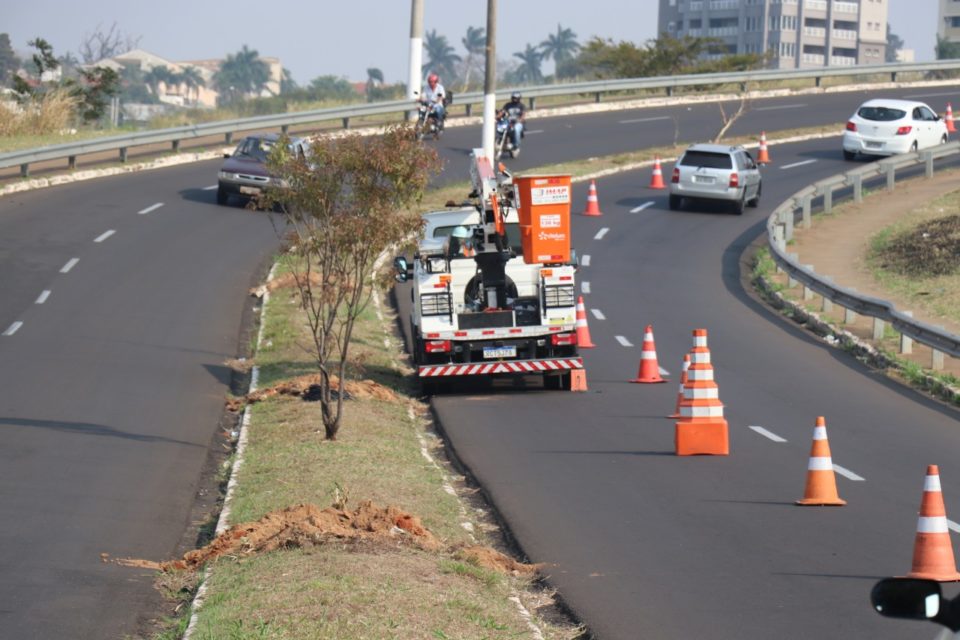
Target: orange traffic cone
(656, 180)
(932, 550)
(683, 381)
(593, 204)
(583, 331)
(949, 118)
(701, 427)
(649, 369)
(763, 157)
(821, 487)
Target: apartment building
(948, 27)
(797, 33)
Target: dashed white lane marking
(624, 341)
(585, 287)
(931, 95)
(585, 261)
(534, 132)
(642, 207)
(211, 187)
(12, 329)
(598, 314)
(768, 434)
(782, 106)
(601, 233)
(42, 297)
(953, 526)
(664, 372)
(152, 207)
(645, 119)
(797, 164)
(70, 265)
(103, 236)
(846, 473)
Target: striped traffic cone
(649, 369)
(593, 204)
(583, 331)
(701, 428)
(932, 549)
(821, 489)
(763, 156)
(656, 178)
(683, 381)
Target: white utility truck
(493, 283)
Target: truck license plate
(495, 353)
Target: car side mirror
(402, 268)
(913, 599)
(226, 155)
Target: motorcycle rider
(516, 110)
(434, 94)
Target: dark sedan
(244, 172)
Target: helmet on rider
(515, 95)
(433, 79)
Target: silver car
(716, 172)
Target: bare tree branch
(99, 45)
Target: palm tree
(156, 76)
(287, 83)
(529, 69)
(475, 42)
(440, 55)
(374, 81)
(561, 46)
(241, 74)
(193, 79)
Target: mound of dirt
(930, 249)
(492, 559)
(301, 388)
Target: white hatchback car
(883, 127)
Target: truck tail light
(563, 339)
(437, 346)
(734, 180)
(851, 125)
(675, 177)
(902, 131)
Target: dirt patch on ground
(492, 559)
(304, 387)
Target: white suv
(716, 172)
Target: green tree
(562, 47)
(331, 88)
(374, 82)
(133, 86)
(158, 75)
(240, 75)
(346, 203)
(43, 62)
(475, 42)
(96, 87)
(529, 69)
(287, 83)
(946, 49)
(894, 44)
(441, 57)
(192, 79)
(9, 63)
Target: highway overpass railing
(599, 88)
(797, 210)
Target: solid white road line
(598, 314)
(211, 187)
(645, 119)
(152, 207)
(601, 233)
(585, 261)
(768, 434)
(12, 329)
(70, 265)
(623, 341)
(782, 106)
(846, 473)
(533, 132)
(642, 207)
(953, 526)
(42, 297)
(797, 164)
(104, 235)
(585, 287)
(930, 95)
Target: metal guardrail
(780, 227)
(175, 136)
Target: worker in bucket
(459, 244)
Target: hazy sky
(345, 38)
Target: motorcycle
(428, 121)
(504, 135)
(916, 599)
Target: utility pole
(416, 52)
(490, 83)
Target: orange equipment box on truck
(543, 204)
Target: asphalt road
(112, 384)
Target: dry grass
(51, 114)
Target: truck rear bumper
(510, 367)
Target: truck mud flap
(516, 367)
